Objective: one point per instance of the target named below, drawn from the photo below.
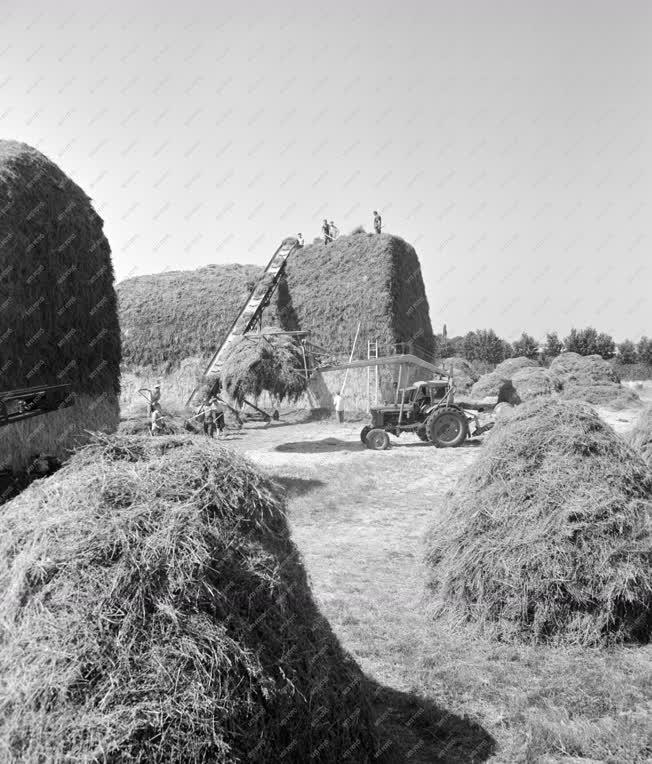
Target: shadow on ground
(319, 446)
(295, 486)
(412, 729)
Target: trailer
(27, 402)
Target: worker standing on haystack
(300, 239)
(333, 230)
(326, 232)
(338, 400)
(378, 223)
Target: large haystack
(495, 385)
(155, 609)
(641, 436)
(58, 313)
(264, 363)
(464, 375)
(591, 379)
(531, 382)
(547, 535)
(366, 278)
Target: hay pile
(547, 535)
(510, 366)
(155, 609)
(495, 385)
(58, 312)
(464, 375)
(264, 363)
(641, 436)
(591, 379)
(531, 382)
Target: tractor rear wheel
(448, 428)
(377, 440)
(364, 432)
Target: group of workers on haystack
(210, 415)
(330, 232)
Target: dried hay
(464, 375)
(494, 385)
(591, 379)
(510, 366)
(155, 608)
(259, 363)
(641, 436)
(547, 534)
(532, 381)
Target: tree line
(485, 345)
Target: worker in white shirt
(338, 400)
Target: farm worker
(218, 415)
(300, 239)
(157, 419)
(326, 232)
(209, 419)
(155, 398)
(338, 400)
(377, 222)
(334, 231)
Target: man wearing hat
(155, 397)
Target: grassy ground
(358, 516)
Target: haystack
(155, 609)
(494, 385)
(510, 366)
(641, 436)
(464, 375)
(531, 382)
(591, 379)
(547, 534)
(264, 363)
(58, 313)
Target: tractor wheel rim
(377, 439)
(448, 428)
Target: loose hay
(547, 535)
(155, 609)
(591, 379)
(259, 363)
(510, 366)
(464, 375)
(641, 436)
(495, 384)
(531, 382)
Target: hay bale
(464, 375)
(510, 366)
(495, 385)
(547, 534)
(641, 435)
(58, 311)
(533, 381)
(155, 608)
(259, 363)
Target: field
(358, 517)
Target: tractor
(428, 409)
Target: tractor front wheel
(448, 428)
(377, 440)
(364, 432)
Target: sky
(508, 141)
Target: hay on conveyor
(547, 536)
(155, 609)
(464, 375)
(259, 363)
(531, 382)
(591, 379)
(58, 308)
(641, 436)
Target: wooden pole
(346, 373)
(398, 386)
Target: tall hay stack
(546, 537)
(155, 609)
(592, 379)
(641, 435)
(58, 311)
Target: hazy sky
(509, 142)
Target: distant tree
(644, 350)
(508, 350)
(471, 346)
(627, 352)
(484, 345)
(605, 346)
(553, 346)
(454, 346)
(526, 346)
